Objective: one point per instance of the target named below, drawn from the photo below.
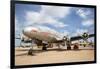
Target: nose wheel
(30, 52)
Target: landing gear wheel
(68, 48)
(76, 47)
(44, 48)
(30, 52)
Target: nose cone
(27, 30)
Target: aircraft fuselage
(35, 33)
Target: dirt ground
(53, 55)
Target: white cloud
(55, 11)
(83, 13)
(48, 15)
(32, 17)
(88, 22)
(60, 25)
(40, 19)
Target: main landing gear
(44, 48)
(68, 47)
(76, 47)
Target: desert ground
(53, 55)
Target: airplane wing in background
(80, 37)
(83, 36)
(24, 40)
(18, 38)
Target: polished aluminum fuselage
(35, 33)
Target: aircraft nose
(29, 29)
(26, 30)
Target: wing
(17, 38)
(80, 37)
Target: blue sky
(70, 21)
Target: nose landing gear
(30, 52)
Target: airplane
(45, 37)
